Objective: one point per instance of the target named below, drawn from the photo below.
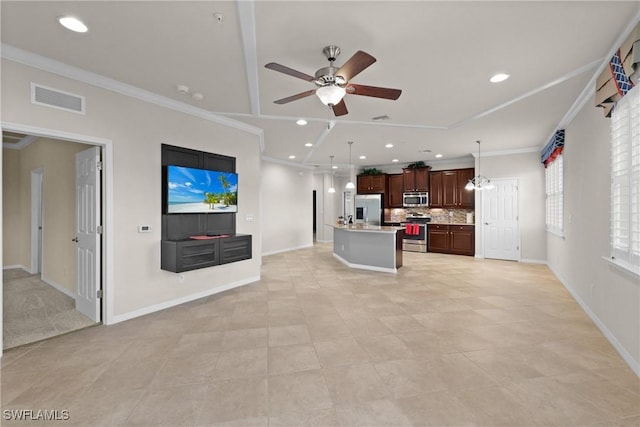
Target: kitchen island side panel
(366, 248)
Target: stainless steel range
(415, 233)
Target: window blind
(625, 180)
(554, 193)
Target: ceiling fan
(333, 83)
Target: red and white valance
(618, 78)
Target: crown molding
(286, 163)
(43, 63)
(589, 89)
(20, 145)
(508, 152)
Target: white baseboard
(633, 364)
(59, 287)
(279, 251)
(168, 304)
(534, 261)
(20, 266)
(324, 241)
(365, 267)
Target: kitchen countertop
(368, 228)
(451, 223)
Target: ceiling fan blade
(340, 109)
(295, 97)
(358, 62)
(290, 71)
(374, 91)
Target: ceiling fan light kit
(330, 95)
(334, 83)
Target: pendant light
(350, 185)
(332, 189)
(479, 182)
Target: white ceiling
(441, 54)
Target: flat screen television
(191, 190)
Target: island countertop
(367, 228)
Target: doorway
(38, 262)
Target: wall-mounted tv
(191, 190)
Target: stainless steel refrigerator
(368, 209)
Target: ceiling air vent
(55, 98)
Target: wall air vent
(54, 98)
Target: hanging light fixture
(479, 182)
(350, 185)
(332, 189)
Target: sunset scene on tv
(191, 190)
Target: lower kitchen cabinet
(451, 239)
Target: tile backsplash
(456, 216)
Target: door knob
(486, 223)
(75, 239)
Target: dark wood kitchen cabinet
(451, 239)
(396, 182)
(372, 184)
(416, 179)
(435, 189)
(447, 189)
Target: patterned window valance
(617, 79)
(553, 148)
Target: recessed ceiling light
(500, 77)
(395, 160)
(308, 144)
(73, 24)
(389, 145)
(292, 156)
(363, 157)
(301, 122)
(335, 166)
(438, 156)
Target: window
(625, 181)
(554, 195)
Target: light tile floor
(448, 341)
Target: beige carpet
(34, 310)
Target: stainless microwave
(415, 199)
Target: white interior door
(500, 229)
(36, 221)
(87, 233)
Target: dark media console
(198, 240)
(185, 255)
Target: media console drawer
(189, 254)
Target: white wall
(287, 208)
(137, 129)
(531, 210)
(609, 295)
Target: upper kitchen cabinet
(372, 184)
(415, 179)
(396, 188)
(447, 189)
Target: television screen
(191, 190)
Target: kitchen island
(368, 247)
